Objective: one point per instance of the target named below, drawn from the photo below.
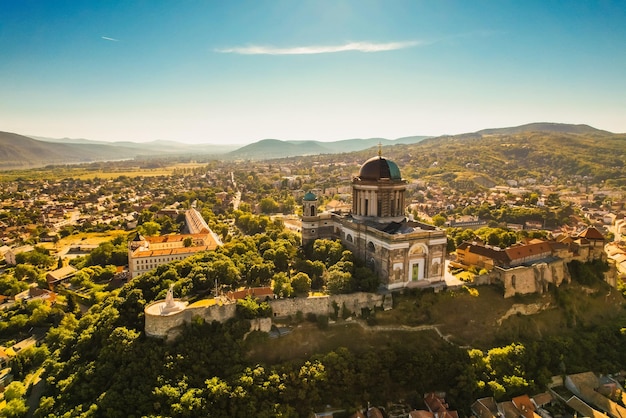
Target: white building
(145, 254)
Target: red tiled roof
(523, 251)
(170, 251)
(592, 233)
(253, 291)
(174, 238)
(480, 249)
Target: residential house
(436, 404)
(525, 405)
(585, 386)
(10, 255)
(485, 408)
(60, 275)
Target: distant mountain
(546, 127)
(535, 154)
(21, 152)
(159, 146)
(274, 148)
(18, 151)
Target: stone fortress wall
(162, 326)
(533, 279)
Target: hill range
(23, 152)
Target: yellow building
(147, 253)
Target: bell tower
(310, 218)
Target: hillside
(159, 146)
(274, 148)
(21, 152)
(558, 155)
(542, 152)
(546, 127)
(480, 320)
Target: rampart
(533, 279)
(325, 305)
(162, 326)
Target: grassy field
(86, 173)
(307, 339)
(482, 319)
(84, 238)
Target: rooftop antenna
(380, 150)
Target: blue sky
(240, 71)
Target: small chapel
(404, 253)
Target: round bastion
(163, 315)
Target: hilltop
(274, 148)
(541, 152)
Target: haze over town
(238, 72)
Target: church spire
(380, 150)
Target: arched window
(370, 247)
(349, 238)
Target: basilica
(404, 253)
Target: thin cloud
(320, 49)
(106, 38)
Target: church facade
(402, 252)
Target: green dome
(377, 168)
(310, 197)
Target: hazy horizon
(243, 71)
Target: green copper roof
(309, 197)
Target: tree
(301, 284)
(14, 390)
(24, 270)
(328, 251)
(15, 408)
(439, 220)
(149, 228)
(39, 257)
(11, 286)
(250, 308)
(282, 286)
(268, 205)
(339, 282)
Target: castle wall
(162, 325)
(533, 279)
(323, 305)
(220, 313)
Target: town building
(10, 255)
(60, 275)
(533, 266)
(147, 253)
(404, 253)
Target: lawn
(83, 238)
